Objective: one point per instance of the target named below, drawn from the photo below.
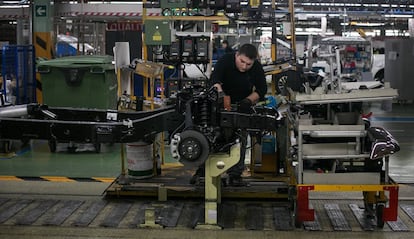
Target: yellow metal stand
(150, 219)
(216, 165)
(150, 71)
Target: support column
(215, 166)
(42, 18)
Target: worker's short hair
(248, 50)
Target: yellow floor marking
(105, 180)
(10, 178)
(58, 179)
(8, 155)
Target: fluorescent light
(399, 15)
(312, 29)
(313, 33)
(337, 14)
(14, 6)
(369, 24)
(112, 2)
(364, 24)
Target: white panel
(122, 58)
(104, 9)
(324, 24)
(341, 178)
(411, 27)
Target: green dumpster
(79, 82)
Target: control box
(157, 32)
(175, 51)
(176, 84)
(187, 46)
(202, 47)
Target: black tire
(380, 76)
(380, 215)
(193, 146)
(281, 84)
(52, 145)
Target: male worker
(226, 47)
(240, 76)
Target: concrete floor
(103, 233)
(399, 122)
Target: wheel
(380, 215)
(380, 76)
(52, 145)
(281, 82)
(193, 146)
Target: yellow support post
(118, 79)
(144, 17)
(215, 165)
(292, 28)
(42, 36)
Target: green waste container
(79, 82)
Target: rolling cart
(338, 151)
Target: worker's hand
(245, 106)
(218, 86)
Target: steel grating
(282, 218)
(63, 213)
(409, 210)
(13, 209)
(227, 215)
(244, 215)
(116, 215)
(337, 218)
(86, 218)
(366, 223)
(254, 217)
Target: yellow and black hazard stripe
(43, 49)
(57, 179)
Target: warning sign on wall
(124, 26)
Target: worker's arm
(260, 86)
(254, 97)
(218, 74)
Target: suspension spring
(204, 113)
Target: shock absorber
(204, 113)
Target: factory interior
(115, 123)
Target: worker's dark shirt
(228, 50)
(238, 85)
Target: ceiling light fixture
(399, 15)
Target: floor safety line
(56, 179)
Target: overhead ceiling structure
(392, 14)
(378, 15)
